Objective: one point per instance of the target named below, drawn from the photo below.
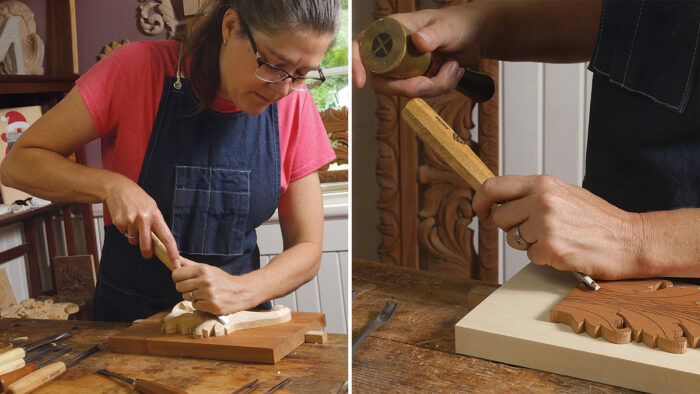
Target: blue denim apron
(215, 178)
(643, 149)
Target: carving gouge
(144, 386)
(21, 352)
(7, 379)
(162, 254)
(439, 136)
(46, 374)
(382, 318)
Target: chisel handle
(11, 355)
(149, 387)
(11, 366)
(7, 379)
(38, 378)
(439, 136)
(160, 252)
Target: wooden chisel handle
(440, 137)
(160, 252)
(7, 379)
(11, 366)
(38, 378)
(11, 355)
(149, 387)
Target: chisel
(144, 386)
(20, 352)
(162, 254)
(441, 138)
(7, 379)
(44, 375)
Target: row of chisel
(20, 374)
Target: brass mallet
(386, 49)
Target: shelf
(23, 84)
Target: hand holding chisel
(440, 137)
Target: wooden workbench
(415, 350)
(311, 367)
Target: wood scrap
(186, 320)
(39, 309)
(7, 295)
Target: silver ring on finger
(190, 296)
(126, 234)
(520, 243)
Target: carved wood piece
(651, 311)
(184, 319)
(21, 48)
(111, 47)
(7, 295)
(39, 309)
(335, 121)
(155, 16)
(75, 276)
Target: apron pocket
(210, 210)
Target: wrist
(248, 295)
(637, 236)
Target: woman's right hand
(454, 32)
(135, 214)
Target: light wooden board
(512, 326)
(259, 345)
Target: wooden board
(512, 326)
(75, 276)
(259, 345)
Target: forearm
(51, 176)
(538, 30)
(286, 272)
(670, 243)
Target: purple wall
(99, 23)
(103, 21)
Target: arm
(301, 220)
(571, 229)
(536, 30)
(38, 164)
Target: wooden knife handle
(11, 366)
(439, 136)
(9, 356)
(149, 387)
(160, 252)
(38, 378)
(7, 379)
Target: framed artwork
(13, 122)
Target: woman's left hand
(213, 289)
(567, 227)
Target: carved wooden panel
(336, 123)
(654, 312)
(424, 208)
(75, 276)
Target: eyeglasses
(267, 72)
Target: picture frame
(13, 122)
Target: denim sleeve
(649, 47)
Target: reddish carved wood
(651, 311)
(424, 208)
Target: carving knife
(20, 352)
(7, 379)
(162, 254)
(144, 386)
(438, 135)
(46, 374)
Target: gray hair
(274, 17)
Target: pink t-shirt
(123, 92)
